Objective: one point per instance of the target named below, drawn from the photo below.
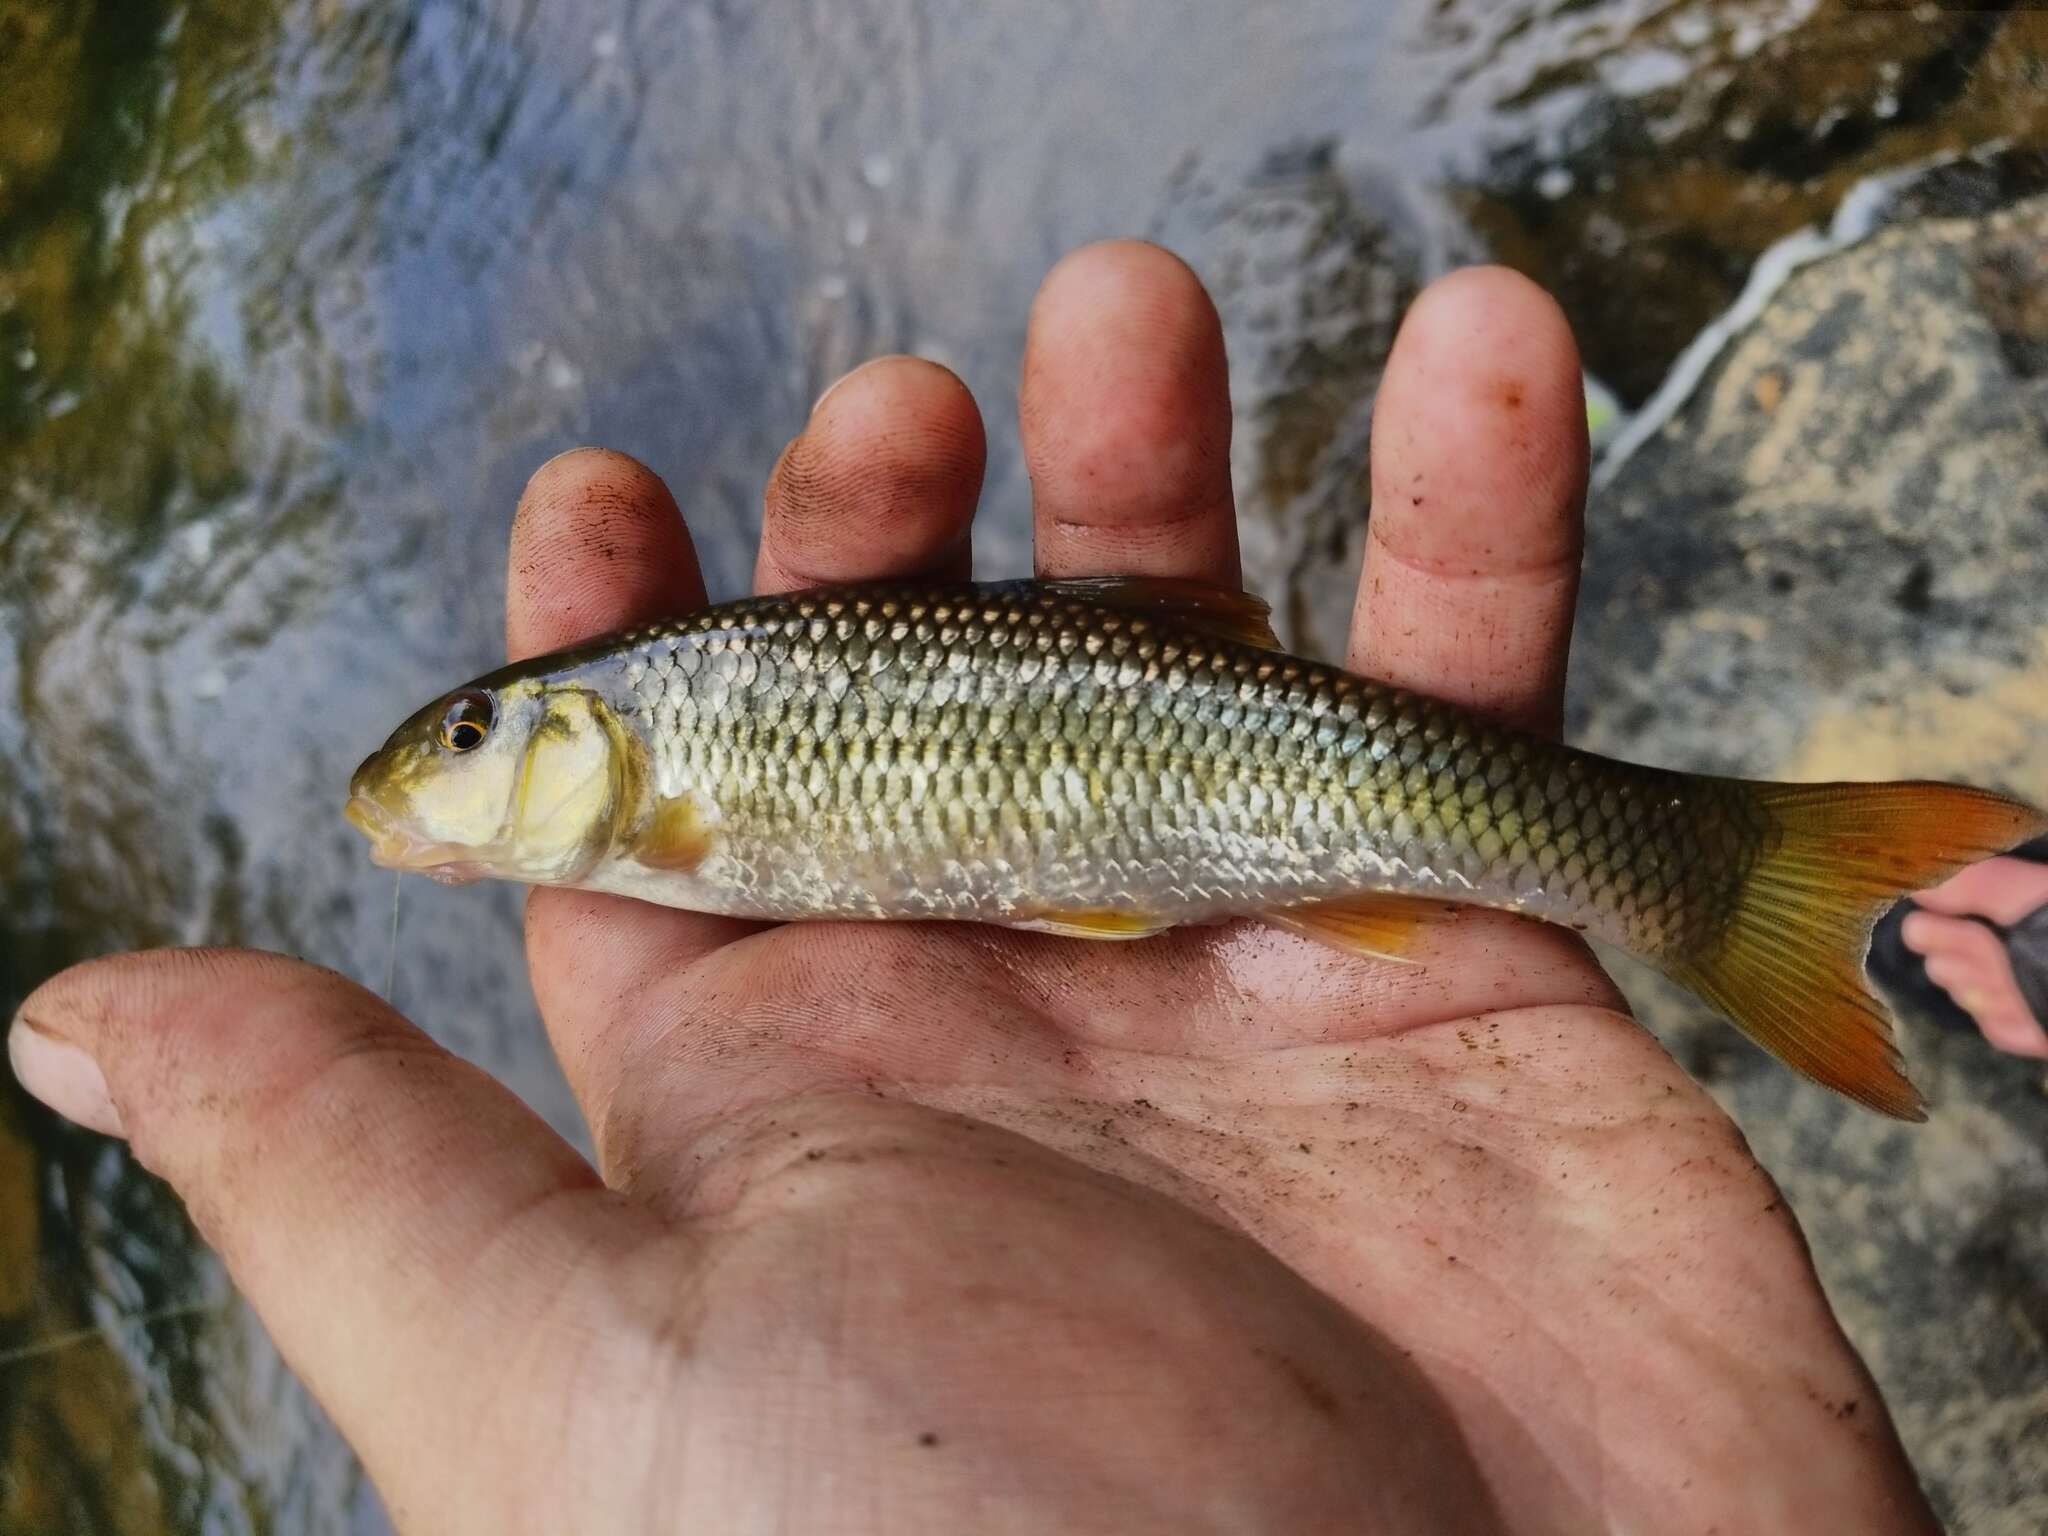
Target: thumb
(399, 1220)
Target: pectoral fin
(1375, 924)
(676, 837)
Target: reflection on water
(293, 293)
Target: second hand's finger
(1125, 407)
(2003, 889)
(1970, 963)
(1478, 492)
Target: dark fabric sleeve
(2026, 943)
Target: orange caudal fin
(1788, 967)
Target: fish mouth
(392, 847)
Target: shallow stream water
(295, 293)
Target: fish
(1107, 758)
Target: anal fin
(1375, 923)
(1097, 925)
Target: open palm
(907, 1227)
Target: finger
(882, 481)
(1924, 935)
(401, 1222)
(2004, 890)
(599, 966)
(1479, 483)
(597, 545)
(1967, 961)
(1125, 411)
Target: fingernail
(63, 1077)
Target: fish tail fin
(1788, 965)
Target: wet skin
(899, 1228)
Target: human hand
(1971, 962)
(908, 1227)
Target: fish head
(509, 778)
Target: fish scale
(1027, 753)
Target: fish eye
(467, 720)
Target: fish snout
(394, 847)
(388, 842)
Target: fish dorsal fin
(1377, 924)
(1221, 611)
